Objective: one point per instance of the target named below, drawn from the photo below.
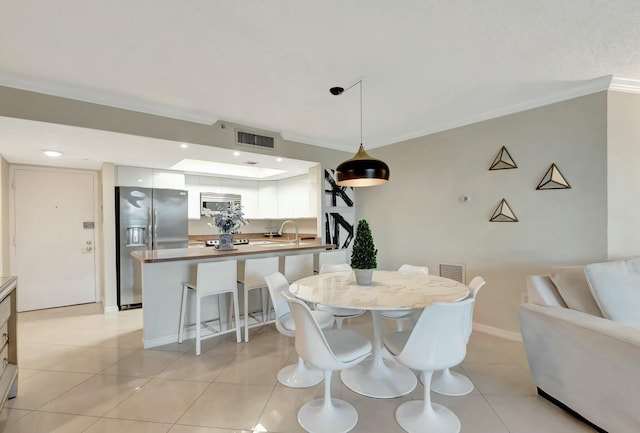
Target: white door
(54, 249)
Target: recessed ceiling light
(140, 180)
(279, 159)
(52, 153)
(236, 153)
(184, 145)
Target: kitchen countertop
(198, 253)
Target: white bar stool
(213, 278)
(298, 266)
(251, 276)
(331, 257)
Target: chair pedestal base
(447, 382)
(299, 375)
(414, 418)
(339, 417)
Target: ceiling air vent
(252, 139)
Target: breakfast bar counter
(255, 249)
(160, 273)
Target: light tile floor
(84, 371)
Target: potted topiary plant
(363, 254)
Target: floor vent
(453, 271)
(251, 139)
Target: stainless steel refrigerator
(146, 219)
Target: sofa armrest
(588, 363)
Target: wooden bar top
(199, 253)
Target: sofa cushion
(616, 288)
(574, 289)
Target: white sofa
(580, 360)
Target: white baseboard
(112, 309)
(498, 332)
(155, 342)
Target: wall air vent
(251, 139)
(453, 271)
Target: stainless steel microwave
(218, 202)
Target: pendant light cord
(351, 86)
(360, 111)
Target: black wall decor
(339, 215)
(503, 161)
(503, 214)
(553, 179)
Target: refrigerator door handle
(155, 228)
(150, 235)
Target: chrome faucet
(296, 226)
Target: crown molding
(100, 98)
(582, 89)
(627, 85)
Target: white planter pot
(363, 276)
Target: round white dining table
(390, 290)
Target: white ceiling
(426, 65)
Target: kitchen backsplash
(305, 225)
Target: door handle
(149, 234)
(155, 228)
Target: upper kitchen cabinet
(149, 178)
(296, 198)
(134, 176)
(168, 179)
(192, 185)
(268, 199)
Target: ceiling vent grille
(453, 271)
(251, 139)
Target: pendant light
(361, 169)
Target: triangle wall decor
(553, 179)
(503, 161)
(503, 214)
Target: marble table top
(389, 290)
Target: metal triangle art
(503, 161)
(553, 179)
(503, 214)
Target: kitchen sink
(272, 244)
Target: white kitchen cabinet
(133, 176)
(149, 178)
(268, 199)
(192, 185)
(249, 193)
(168, 179)
(295, 198)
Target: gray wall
(623, 174)
(4, 217)
(419, 218)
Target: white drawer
(4, 334)
(5, 309)
(4, 358)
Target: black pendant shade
(362, 170)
